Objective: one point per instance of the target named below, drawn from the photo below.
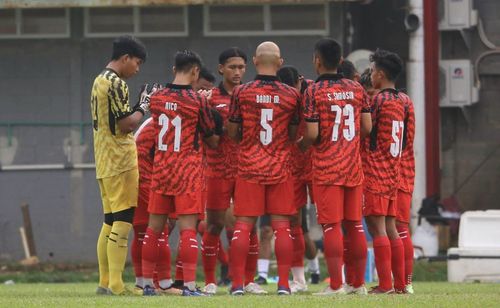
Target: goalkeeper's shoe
(149, 291)
(138, 290)
(196, 292)
(102, 291)
(169, 291)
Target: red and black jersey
(407, 172)
(222, 161)
(181, 118)
(265, 108)
(336, 103)
(145, 142)
(382, 151)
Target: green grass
(428, 294)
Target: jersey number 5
(164, 123)
(348, 113)
(266, 135)
(397, 138)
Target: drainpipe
(416, 90)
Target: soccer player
(182, 119)
(366, 81)
(381, 164)
(355, 249)
(205, 81)
(337, 115)
(116, 157)
(265, 249)
(221, 175)
(263, 115)
(405, 189)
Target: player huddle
(214, 157)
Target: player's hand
(147, 91)
(206, 93)
(219, 122)
(300, 143)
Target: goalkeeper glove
(147, 91)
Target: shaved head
(268, 54)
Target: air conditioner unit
(456, 83)
(456, 15)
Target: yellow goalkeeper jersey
(115, 152)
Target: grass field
(428, 294)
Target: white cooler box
(478, 256)
(470, 269)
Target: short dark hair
(206, 74)
(329, 51)
(128, 45)
(365, 80)
(288, 75)
(186, 59)
(347, 69)
(389, 62)
(231, 53)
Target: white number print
(164, 121)
(349, 126)
(266, 135)
(397, 137)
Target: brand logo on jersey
(340, 96)
(221, 106)
(171, 106)
(265, 99)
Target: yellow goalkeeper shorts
(119, 192)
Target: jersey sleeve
(310, 112)
(205, 118)
(118, 98)
(234, 107)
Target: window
(277, 19)
(34, 23)
(139, 21)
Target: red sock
(163, 265)
(334, 252)
(357, 252)
(253, 255)
(179, 275)
(299, 246)
(150, 253)
(382, 251)
(209, 247)
(222, 255)
(136, 249)
(283, 249)
(188, 254)
(240, 245)
(404, 234)
(398, 263)
(348, 270)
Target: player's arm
(294, 123)
(366, 117)
(210, 127)
(130, 118)
(235, 118)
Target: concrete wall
(466, 144)
(50, 81)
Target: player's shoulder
(146, 128)
(289, 90)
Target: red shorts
(299, 193)
(403, 202)
(335, 203)
(141, 215)
(251, 199)
(377, 205)
(185, 204)
(220, 192)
